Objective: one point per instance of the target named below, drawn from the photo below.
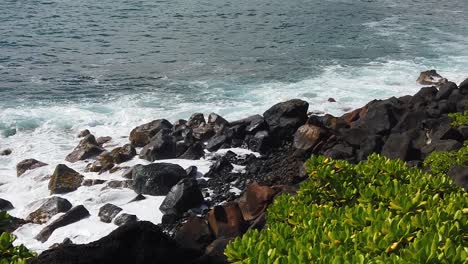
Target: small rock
(64, 179)
(102, 140)
(431, 77)
(74, 215)
(91, 182)
(108, 211)
(184, 195)
(137, 198)
(87, 148)
(331, 100)
(28, 164)
(221, 166)
(5, 152)
(5, 205)
(125, 219)
(307, 136)
(49, 208)
(84, 133)
(192, 172)
(216, 142)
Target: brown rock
(431, 77)
(307, 136)
(49, 208)
(87, 148)
(196, 120)
(254, 200)
(28, 164)
(84, 133)
(194, 234)
(64, 180)
(91, 182)
(103, 140)
(141, 135)
(215, 250)
(226, 220)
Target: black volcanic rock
(141, 135)
(156, 178)
(87, 148)
(161, 146)
(137, 243)
(183, 196)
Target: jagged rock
(260, 142)
(108, 211)
(91, 182)
(141, 135)
(284, 118)
(196, 120)
(192, 172)
(307, 136)
(445, 90)
(425, 94)
(64, 179)
(161, 146)
(463, 87)
(103, 140)
(216, 142)
(84, 133)
(431, 77)
(137, 198)
(104, 162)
(203, 132)
(137, 243)
(194, 152)
(379, 118)
(49, 208)
(125, 219)
(73, 215)
(331, 100)
(184, 195)
(254, 200)
(123, 154)
(5, 152)
(410, 120)
(66, 241)
(464, 132)
(194, 234)
(339, 151)
(87, 148)
(5, 205)
(156, 178)
(440, 145)
(459, 174)
(28, 164)
(373, 144)
(397, 146)
(181, 148)
(221, 166)
(226, 220)
(217, 122)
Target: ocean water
(110, 65)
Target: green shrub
(459, 119)
(378, 211)
(10, 254)
(440, 162)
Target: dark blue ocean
(109, 65)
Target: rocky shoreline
(202, 213)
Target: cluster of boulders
(203, 214)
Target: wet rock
(5, 152)
(181, 148)
(139, 197)
(194, 234)
(28, 164)
(91, 182)
(87, 148)
(125, 219)
(141, 135)
(463, 87)
(156, 178)
(331, 100)
(192, 172)
(108, 211)
(203, 132)
(49, 208)
(216, 142)
(220, 167)
(64, 179)
(307, 136)
(254, 200)
(397, 146)
(284, 118)
(196, 120)
(137, 243)
(430, 77)
(194, 152)
(445, 90)
(103, 140)
(161, 146)
(261, 142)
(104, 162)
(74, 215)
(5, 205)
(459, 175)
(217, 122)
(12, 224)
(226, 220)
(184, 195)
(84, 133)
(116, 184)
(123, 154)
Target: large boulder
(379, 118)
(141, 135)
(183, 196)
(307, 136)
(217, 122)
(259, 142)
(161, 146)
(50, 207)
(255, 200)
(87, 148)
(156, 178)
(445, 90)
(459, 175)
(226, 220)
(28, 164)
(108, 212)
(194, 234)
(64, 179)
(194, 152)
(74, 215)
(137, 243)
(216, 142)
(125, 219)
(196, 120)
(397, 146)
(284, 118)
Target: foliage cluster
(10, 254)
(459, 119)
(440, 162)
(377, 211)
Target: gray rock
(87, 148)
(50, 207)
(161, 146)
(183, 196)
(156, 178)
(28, 164)
(5, 205)
(125, 219)
(108, 211)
